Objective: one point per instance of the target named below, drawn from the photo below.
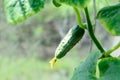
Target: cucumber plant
(99, 65)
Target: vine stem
(94, 12)
(91, 32)
(78, 17)
(113, 49)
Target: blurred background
(26, 48)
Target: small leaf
(110, 19)
(87, 70)
(19, 10)
(75, 3)
(109, 69)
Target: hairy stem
(78, 17)
(113, 49)
(91, 32)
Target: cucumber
(68, 42)
(74, 35)
(56, 3)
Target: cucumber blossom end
(52, 62)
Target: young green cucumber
(68, 42)
(56, 3)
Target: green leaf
(75, 3)
(110, 19)
(19, 10)
(87, 70)
(109, 69)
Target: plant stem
(94, 12)
(78, 17)
(113, 49)
(91, 32)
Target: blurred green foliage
(33, 68)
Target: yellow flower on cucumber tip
(52, 62)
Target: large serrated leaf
(75, 3)
(109, 69)
(19, 10)
(87, 70)
(110, 19)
